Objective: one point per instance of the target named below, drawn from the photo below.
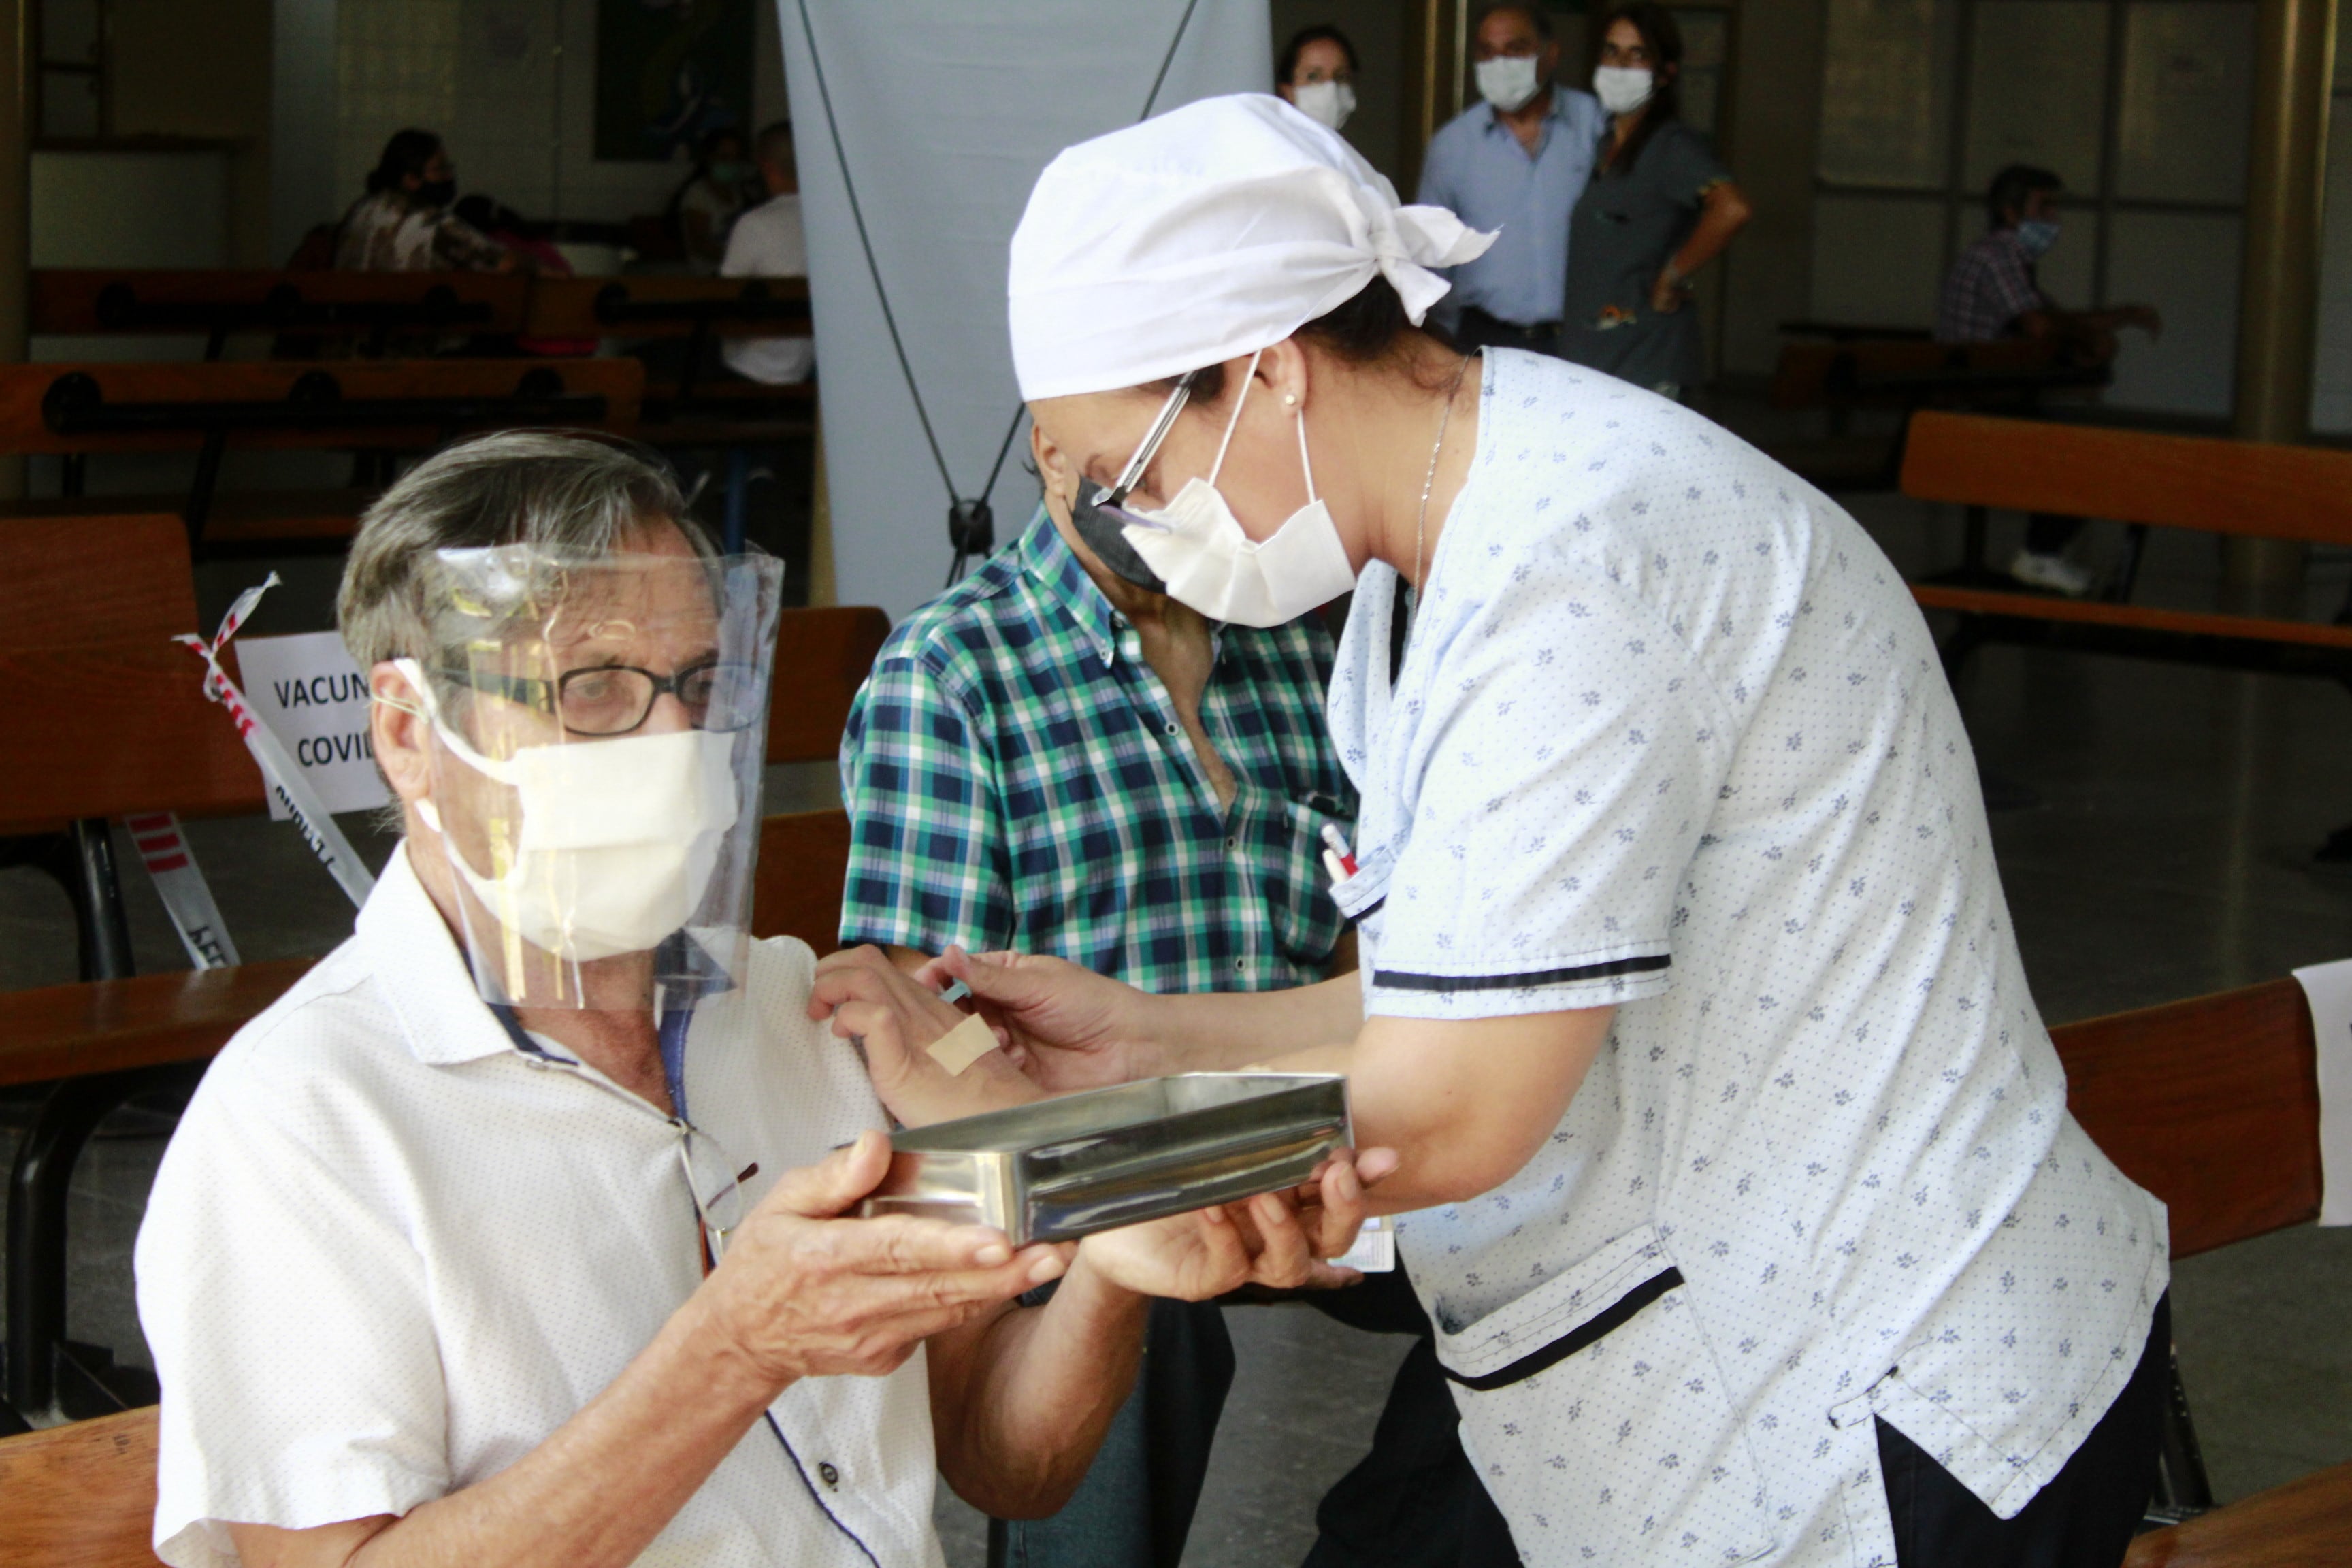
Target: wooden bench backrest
(822, 659)
(108, 713)
(107, 1025)
(81, 1496)
(2131, 476)
(24, 428)
(2212, 1104)
(1802, 378)
(804, 860)
(67, 300)
(567, 307)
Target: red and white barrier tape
(278, 771)
(172, 866)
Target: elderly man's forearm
(596, 1492)
(1021, 1403)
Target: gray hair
(516, 487)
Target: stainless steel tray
(1064, 1168)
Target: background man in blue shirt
(1516, 162)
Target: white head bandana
(1203, 235)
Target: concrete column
(15, 210)
(2279, 299)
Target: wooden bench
(214, 303)
(2212, 1104)
(2143, 480)
(385, 407)
(80, 1496)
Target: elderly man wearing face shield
(1735, 1172)
(511, 1234)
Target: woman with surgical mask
(1658, 208)
(1735, 1172)
(1317, 73)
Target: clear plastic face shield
(599, 728)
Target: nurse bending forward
(1736, 1173)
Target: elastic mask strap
(487, 767)
(1247, 377)
(1303, 461)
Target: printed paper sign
(315, 700)
(2328, 988)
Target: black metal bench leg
(38, 1190)
(2182, 1487)
(102, 927)
(81, 862)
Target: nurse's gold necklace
(1421, 519)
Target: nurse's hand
(1667, 294)
(893, 1017)
(1066, 1027)
(1275, 1239)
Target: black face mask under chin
(1107, 539)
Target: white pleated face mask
(618, 838)
(1325, 102)
(1199, 549)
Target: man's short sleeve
(288, 1316)
(1562, 790)
(926, 858)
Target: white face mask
(1623, 89)
(1325, 102)
(1195, 545)
(1507, 81)
(618, 839)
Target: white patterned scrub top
(1671, 736)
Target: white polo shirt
(1671, 736)
(388, 1253)
(769, 242)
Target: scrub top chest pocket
(1596, 1417)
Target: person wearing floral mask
(522, 1229)
(1735, 1173)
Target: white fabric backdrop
(947, 111)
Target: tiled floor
(2167, 859)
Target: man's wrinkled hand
(803, 1292)
(893, 1017)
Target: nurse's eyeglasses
(1114, 500)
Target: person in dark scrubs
(1658, 208)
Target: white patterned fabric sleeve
(1558, 803)
(287, 1315)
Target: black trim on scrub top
(1576, 1339)
(1397, 981)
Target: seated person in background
(706, 206)
(768, 242)
(1056, 757)
(404, 223)
(1992, 293)
(452, 1258)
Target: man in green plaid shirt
(1050, 759)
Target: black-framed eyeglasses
(607, 700)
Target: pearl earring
(1289, 398)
